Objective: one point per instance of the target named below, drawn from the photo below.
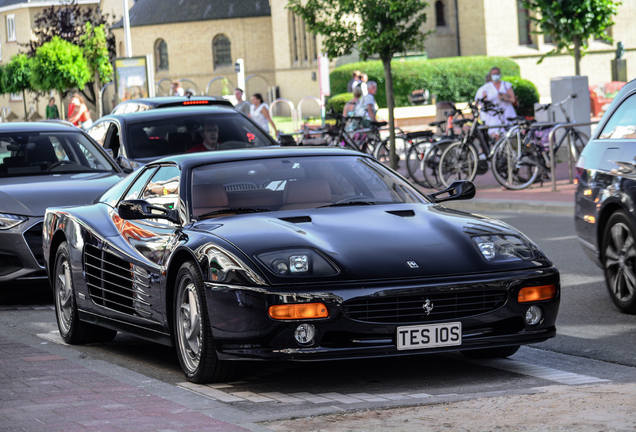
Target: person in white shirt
(259, 112)
(367, 103)
(500, 93)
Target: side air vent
(33, 238)
(115, 283)
(402, 213)
(297, 219)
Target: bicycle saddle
(437, 123)
(461, 122)
(419, 134)
(379, 124)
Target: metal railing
(551, 139)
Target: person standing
(81, 117)
(52, 112)
(350, 110)
(500, 93)
(363, 84)
(259, 112)
(176, 89)
(354, 81)
(241, 105)
(367, 106)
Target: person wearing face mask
(499, 93)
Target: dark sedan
(42, 165)
(135, 139)
(605, 211)
(144, 104)
(296, 254)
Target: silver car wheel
(64, 296)
(619, 262)
(189, 331)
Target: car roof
(188, 160)
(163, 101)
(42, 126)
(171, 112)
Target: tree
(373, 27)
(95, 48)
(68, 22)
(59, 65)
(16, 78)
(571, 23)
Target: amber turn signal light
(531, 294)
(298, 311)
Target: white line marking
(394, 396)
(572, 237)
(419, 395)
(210, 392)
(542, 372)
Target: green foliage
(95, 49)
(337, 102)
(59, 65)
(373, 27)
(527, 95)
(571, 23)
(455, 78)
(16, 75)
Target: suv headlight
(8, 221)
(297, 262)
(500, 248)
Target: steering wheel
(60, 163)
(353, 198)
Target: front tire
(72, 330)
(193, 334)
(619, 261)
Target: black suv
(605, 213)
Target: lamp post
(127, 43)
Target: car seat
(208, 197)
(309, 193)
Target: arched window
(161, 54)
(222, 51)
(440, 20)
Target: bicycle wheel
(579, 140)
(415, 162)
(381, 152)
(514, 169)
(458, 162)
(430, 164)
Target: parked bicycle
(521, 157)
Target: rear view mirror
(458, 190)
(141, 209)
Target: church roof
(153, 12)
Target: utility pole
(127, 30)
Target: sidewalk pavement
(45, 392)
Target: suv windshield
(293, 183)
(190, 133)
(35, 153)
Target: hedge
(455, 78)
(527, 95)
(337, 102)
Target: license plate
(429, 336)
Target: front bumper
(21, 255)
(242, 328)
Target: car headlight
(297, 262)
(501, 248)
(8, 221)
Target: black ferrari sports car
(293, 254)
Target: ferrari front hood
(374, 242)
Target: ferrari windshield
(43, 153)
(177, 134)
(293, 183)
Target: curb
(542, 207)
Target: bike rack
(291, 107)
(302, 101)
(551, 139)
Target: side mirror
(141, 209)
(458, 190)
(286, 140)
(124, 164)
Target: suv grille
(33, 238)
(115, 283)
(407, 309)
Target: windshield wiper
(238, 210)
(349, 203)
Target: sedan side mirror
(458, 190)
(141, 209)
(124, 164)
(286, 140)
